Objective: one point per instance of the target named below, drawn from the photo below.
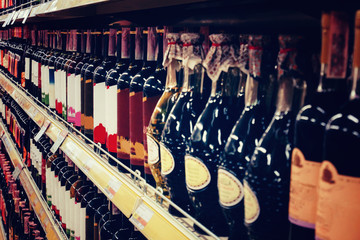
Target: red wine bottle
(309, 132)
(338, 182)
(267, 179)
(123, 89)
(211, 132)
(51, 64)
(153, 88)
(111, 96)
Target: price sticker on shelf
(141, 216)
(43, 129)
(16, 172)
(87, 165)
(59, 141)
(32, 112)
(112, 187)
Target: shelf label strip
(141, 216)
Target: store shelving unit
(137, 200)
(41, 209)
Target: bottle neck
(228, 83)
(174, 72)
(291, 95)
(194, 79)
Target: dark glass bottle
(135, 105)
(309, 138)
(28, 54)
(267, 179)
(58, 71)
(123, 88)
(51, 64)
(122, 62)
(210, 134)
(45, 69)
(100, 132)
(111, 226)
(172, 61)
(260, 93)
(96, 201)
(88, 86)
(153, 88)
(182, 118)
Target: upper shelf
(130, 196)
(38, 203)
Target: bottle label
(77, 100)
(136, 134)
(167, 160)
(252, 207)
(71, 97)
(303, 195)
(123, 133)
(27, 68)
(111, 117)
(197, 175)
(231, 191)
(51, 88)
(153, 150)
(100, 133)
(338, 210)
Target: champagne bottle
(153, 88)
(338, 178)
(111, 96)
(179, 125)
(267, 178)
(172, 62)
(211, 131)
(260, 93)
(309, 136)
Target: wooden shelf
(36, 200)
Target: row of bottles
(19, 219)
(83, 211)
(225, 134)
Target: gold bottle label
(231, 191)
(197, 175)
(153, 150)
(252, 207)
(167, 160)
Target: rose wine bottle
(123, 89)
(89, 84)
(135, 105)
(100, 132)
(182, 118)
(153, 88)
(172, 62)
(267, 179)
(260, 93)
(337, 213)
(122, 62)
(211, 131)
(309, 130)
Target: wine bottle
(179, 125)
(34, 65)
(88, 86)
(123, 88)
(51, 63)
(28, 61)
(111, 95)
(172, 62)
(211, 131)
(153, 88)
(39, 56)
(267, 178)
(90, 44)
(96, 201)
(99, 212)
(58, 71)
(135, 103)
(45, 69)
(73, 83)
(111, 226)
(100, 132)
(309, 135)
(338, 178)
(260, 93)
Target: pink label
(125, 43)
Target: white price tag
(32, 112)
(112, 187)
(141, 216)
(26, 14)
(59, 141)
(88, 165)
(16, 173)
(43, 129)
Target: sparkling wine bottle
(260, 93)
(211, 131)
(267, 179)
(172, 62)
(182, 118)
(309, 133)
